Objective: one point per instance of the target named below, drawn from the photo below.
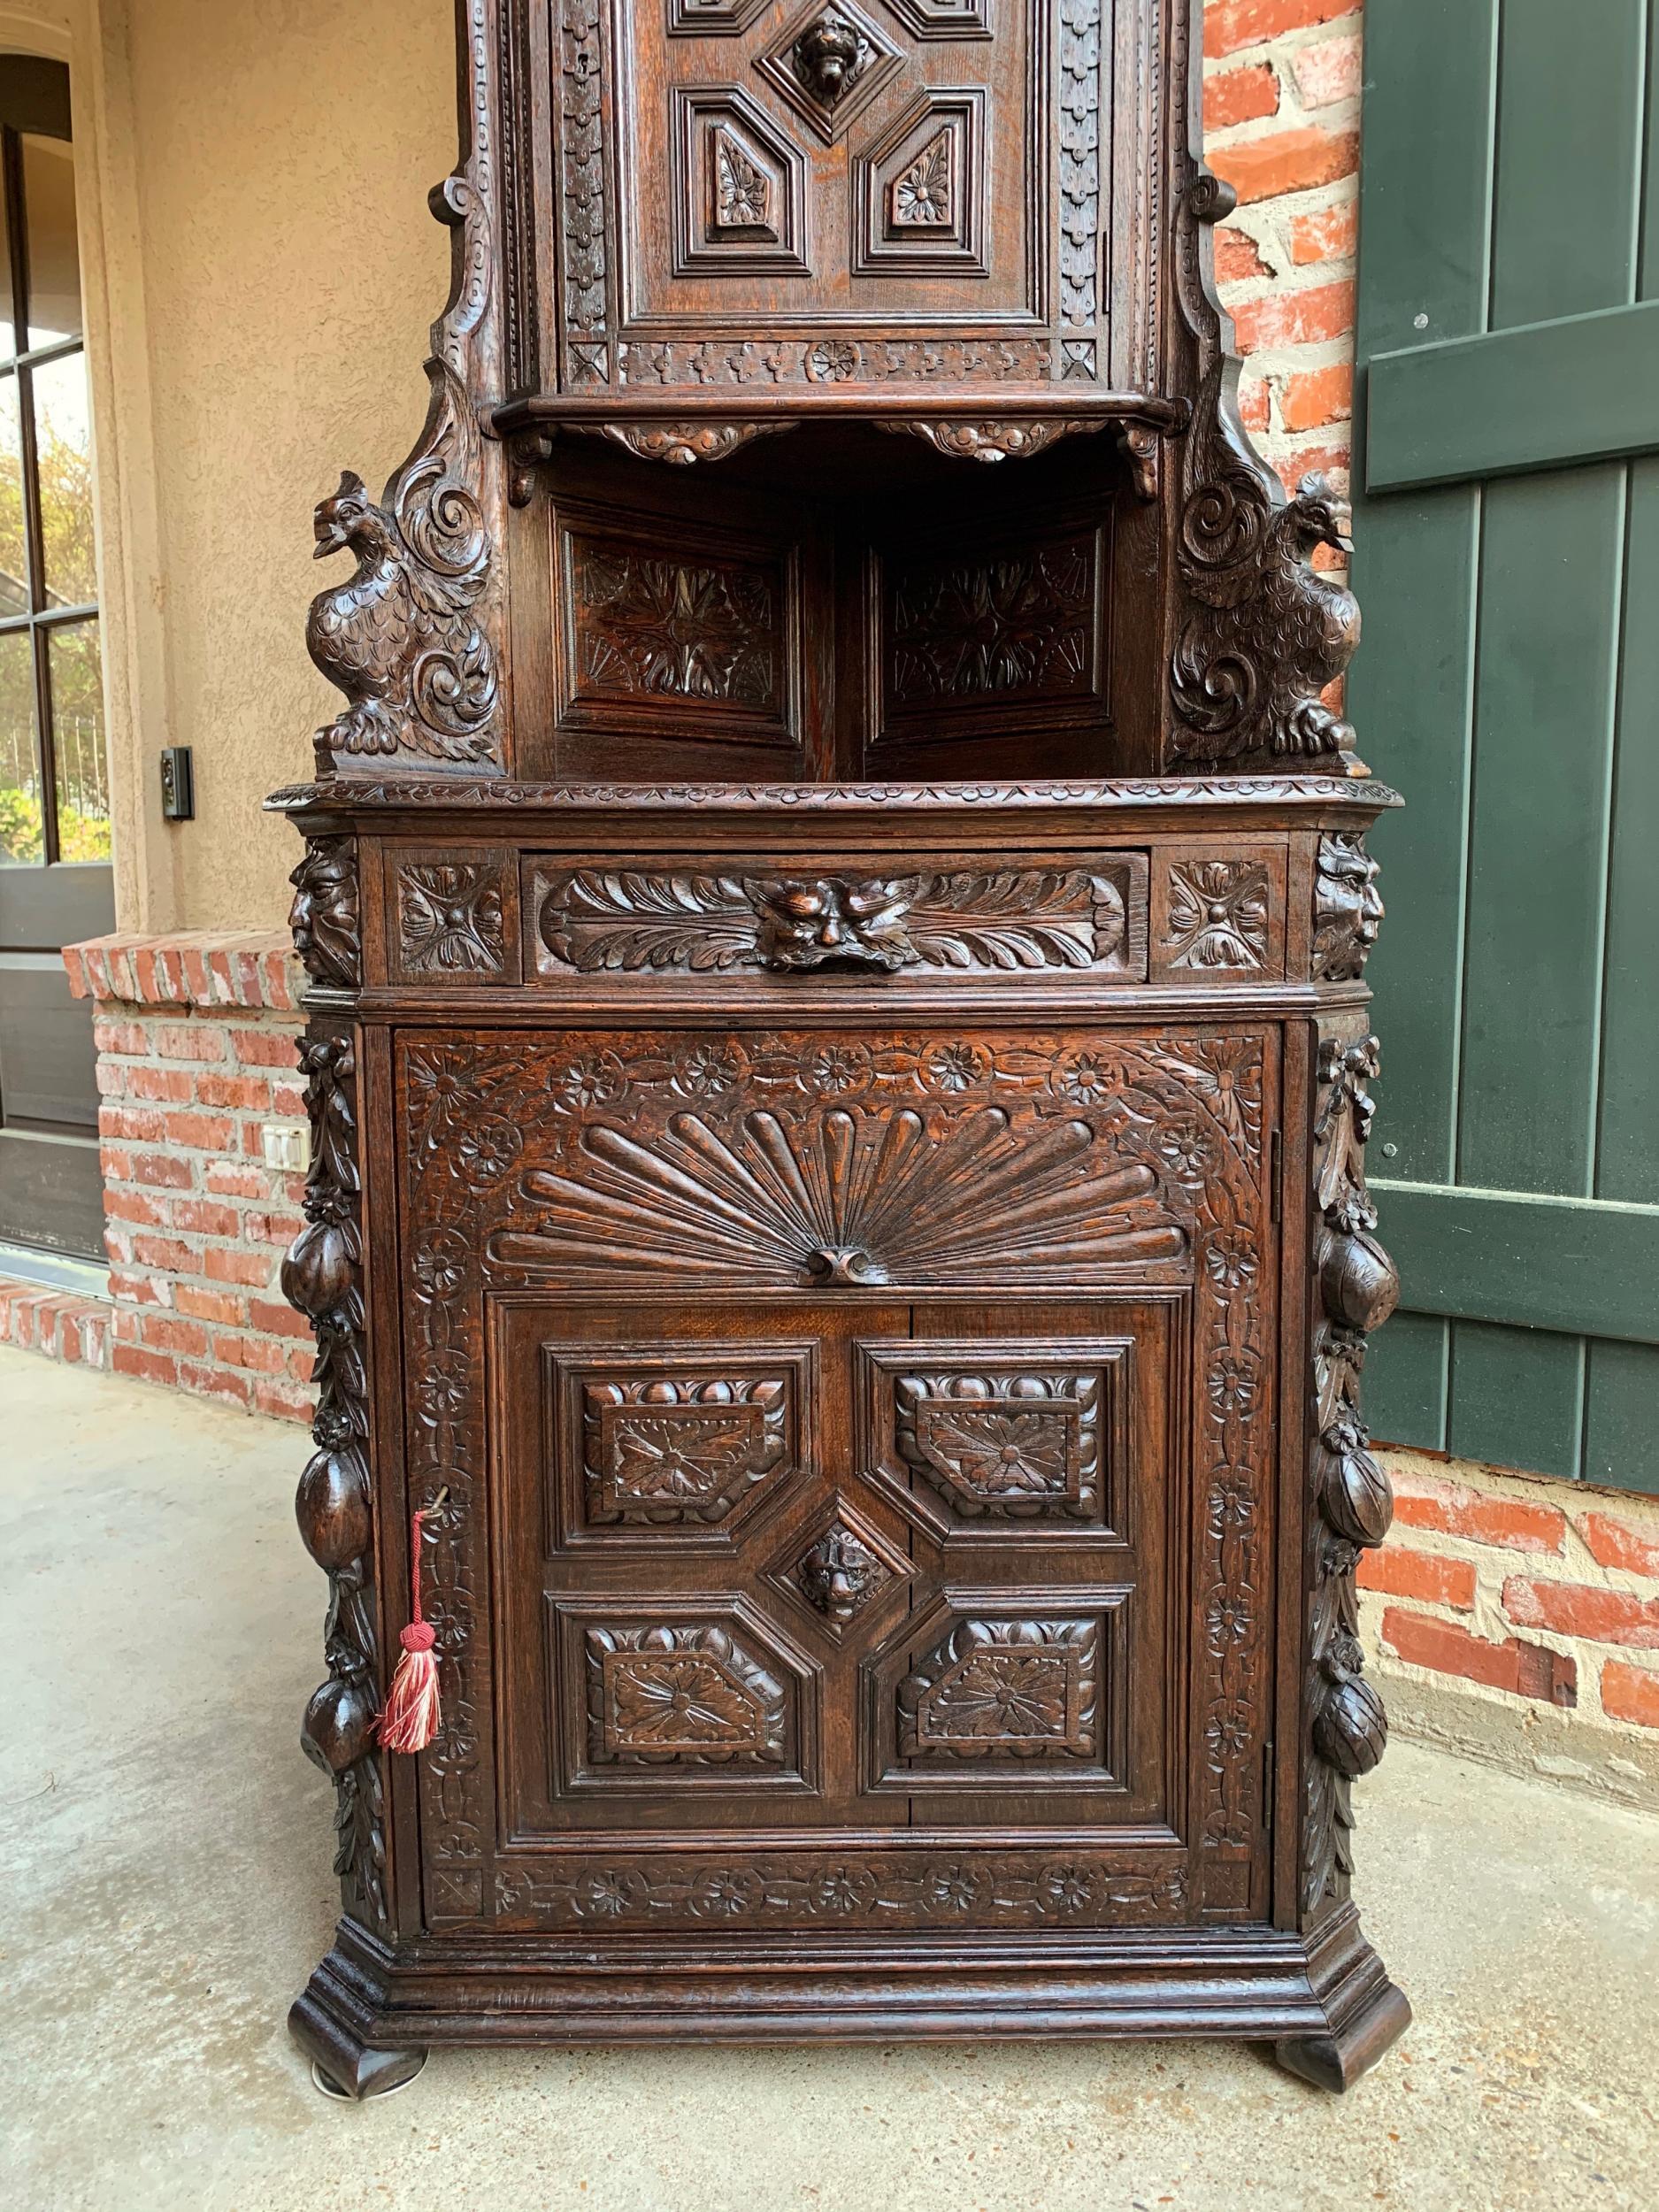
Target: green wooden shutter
(1508, 565)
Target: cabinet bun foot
(342, 2066)
(1337, 2060)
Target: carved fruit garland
(1356, 1287)
(322, 1277)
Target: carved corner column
(323, 1277)
(1350, 1503)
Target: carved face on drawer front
(843, 191)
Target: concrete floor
(164, 1850)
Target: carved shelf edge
(435, 794)
(694, 427)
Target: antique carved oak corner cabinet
(835, 909)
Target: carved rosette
(413, 637)
(1351, 1503)
(324, 918)
(323, 1277)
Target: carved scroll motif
(322, 1277)
(994, 438)
(1352, 1503)
(1261, 634)
(681, 444)
(412, 639)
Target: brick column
(196, 1036)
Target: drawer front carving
(713, 920)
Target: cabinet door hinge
(1267, 1784)
(1276, 1173)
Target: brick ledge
(63, 1325)
(209, 968)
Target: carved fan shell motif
(845, 1195)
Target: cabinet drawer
(923, 916)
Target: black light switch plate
(178, 784)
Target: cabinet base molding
(328, 2031)
(370, 2010)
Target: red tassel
(408, 1720)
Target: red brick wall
(195, 1038)
(1281, 124)
(1521, 1592)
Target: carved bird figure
(1314, 621)
(1268, 632)
(398, 637)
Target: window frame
(34, 103)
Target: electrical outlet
(286, 1146)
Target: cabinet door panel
(853, 1438)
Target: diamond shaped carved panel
(700, 1693)
(918, 192)
(841, 1571)
(992, 1687)
(739, 187)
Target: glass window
(22, 835)
(48, 214)
(54, 782)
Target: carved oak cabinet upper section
(835, 901)
(900, 192)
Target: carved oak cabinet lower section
(872, 1326)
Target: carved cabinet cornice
(840, 1074)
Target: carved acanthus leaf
(591, 919)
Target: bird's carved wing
(432, 501)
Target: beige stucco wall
(262, 269)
